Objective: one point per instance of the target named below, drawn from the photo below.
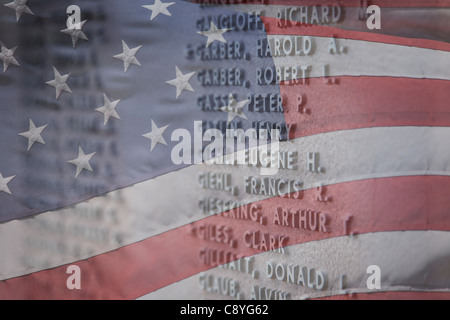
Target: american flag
(92, 103)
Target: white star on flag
(7, 56)
(20, 6)
(33, 135)
(76, 33)
(128, 56)
(59, 83)
(159, 7)
(82, 162)
(4, 184)
(156, 135)
(181, 82)
(213, 34)
(234, 109)
(109, 109)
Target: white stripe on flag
(147, 209)
(404, 258)
(361, 58)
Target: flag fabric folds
(122, 125)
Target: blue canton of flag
(91, 108)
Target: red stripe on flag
(346, 3)
(272, 28)
(363, 102)
(375, 205)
